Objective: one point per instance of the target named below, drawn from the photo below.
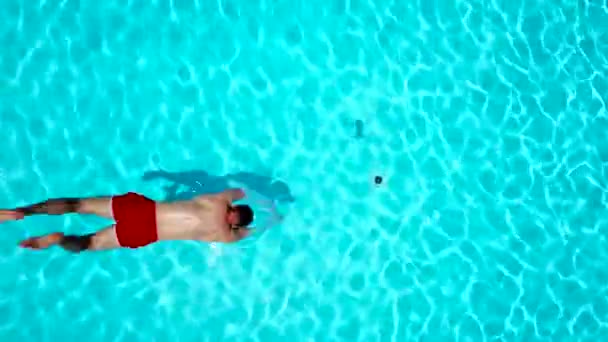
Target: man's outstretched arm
(229, 195)
(239, 234)
(232, 195)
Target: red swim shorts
(135, 217)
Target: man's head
(240, 215)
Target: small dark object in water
(378, 180)
(359, 129)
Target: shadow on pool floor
(200, 182)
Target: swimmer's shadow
(188, 184)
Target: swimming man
(140, 221)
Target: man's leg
(101, 206)
(101, 240)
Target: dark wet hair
(245, 214)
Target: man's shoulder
(224, 197)
(211, 205)
(204, 199)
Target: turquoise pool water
(486, 119)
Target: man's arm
(232, 195)
(239, 234)
(229, 196)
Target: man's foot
(10, 215)
(42, 242)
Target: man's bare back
(203, 218)
(141, 221)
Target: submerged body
(140, 221)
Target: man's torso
(200, 219)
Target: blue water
(486, 119)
